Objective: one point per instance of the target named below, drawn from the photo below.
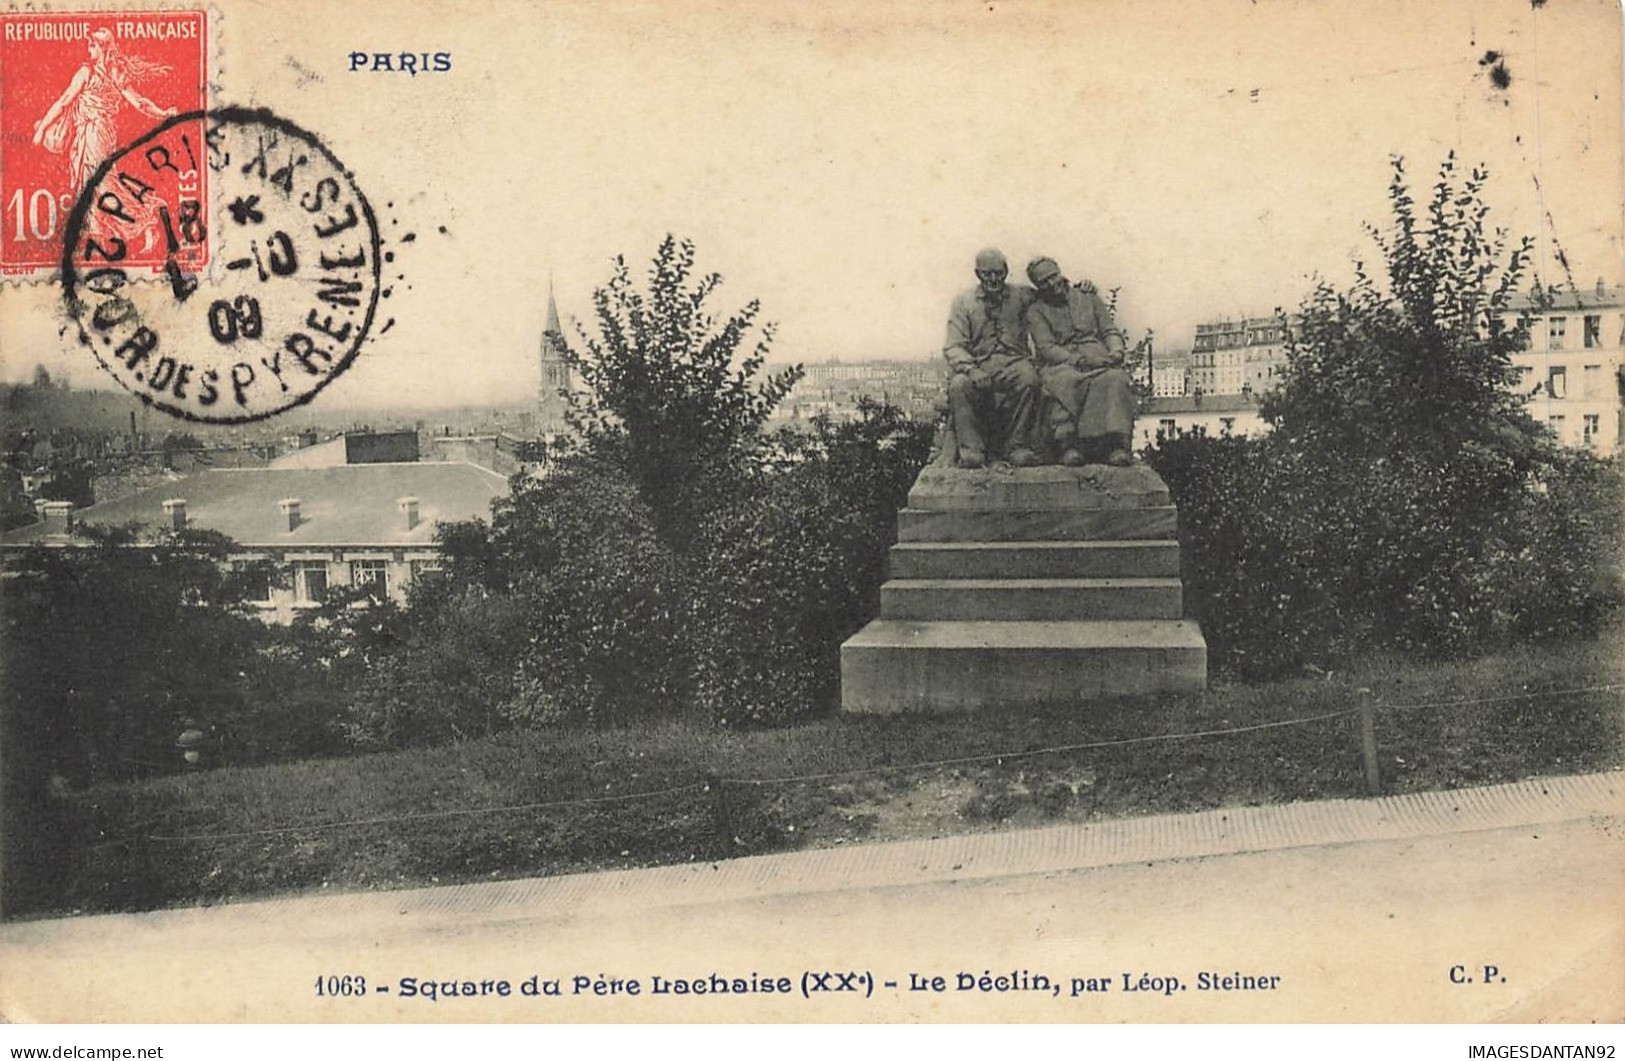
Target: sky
(843, 162)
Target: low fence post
(1368, 744)
(724, 817)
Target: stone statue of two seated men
(1036, 373)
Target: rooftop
(1207, 403)
(354, 504)
(1599, 297)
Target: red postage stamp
(74, 89)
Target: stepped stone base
(895, 665)
(1096, 486)
(1017, 587)
(1017, 599)
(1037, 525)
(1125, 559)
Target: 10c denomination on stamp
(293, 290)
(73, 89)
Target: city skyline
(1206, 161)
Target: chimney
(175, 513)
(289, 507)
(409, 508)
(58, 516)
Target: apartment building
(1570, 370)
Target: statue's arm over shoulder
(1110, 333)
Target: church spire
(551, 403)
(553, 327)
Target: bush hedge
(1291, 561)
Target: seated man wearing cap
(1090, 408)
(993, 388)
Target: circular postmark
(294, 281)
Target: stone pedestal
(1010, 587)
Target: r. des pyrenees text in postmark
(293, 289)
(74, 88)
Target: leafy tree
(1405, 499)
(114, 646)
(1421, 364)
(602, 595)
(109, 650)
(662, 394)
(678, 557)
(793, 567)
(437, 672)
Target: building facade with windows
(1166, 375)
(1245, 355)
(1569, 372)
(1216, 415)
(369, 526)
(833, 388)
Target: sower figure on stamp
(993, 387)
(89, 106)
(1088, 403)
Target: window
(1593, 425)
(1227, 424)
(1556, 424)
(370, 575)
(1593, 331)
(1591, 381)
(309, 581)
(1166, 428)
(424, 567)
(1555, 328)
(1557, 381)
(257, 582)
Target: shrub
(1290, 560)
(675, 557)
(112, 648)
(595, 601)
(441, 678)
(791, 567)
(1566, 548)
(1404, 499)
(108, 652)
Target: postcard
(312, 276)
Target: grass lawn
(513, 806)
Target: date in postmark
(73, 88)
(294, 286)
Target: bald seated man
(1088, 404)
(993, 385)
